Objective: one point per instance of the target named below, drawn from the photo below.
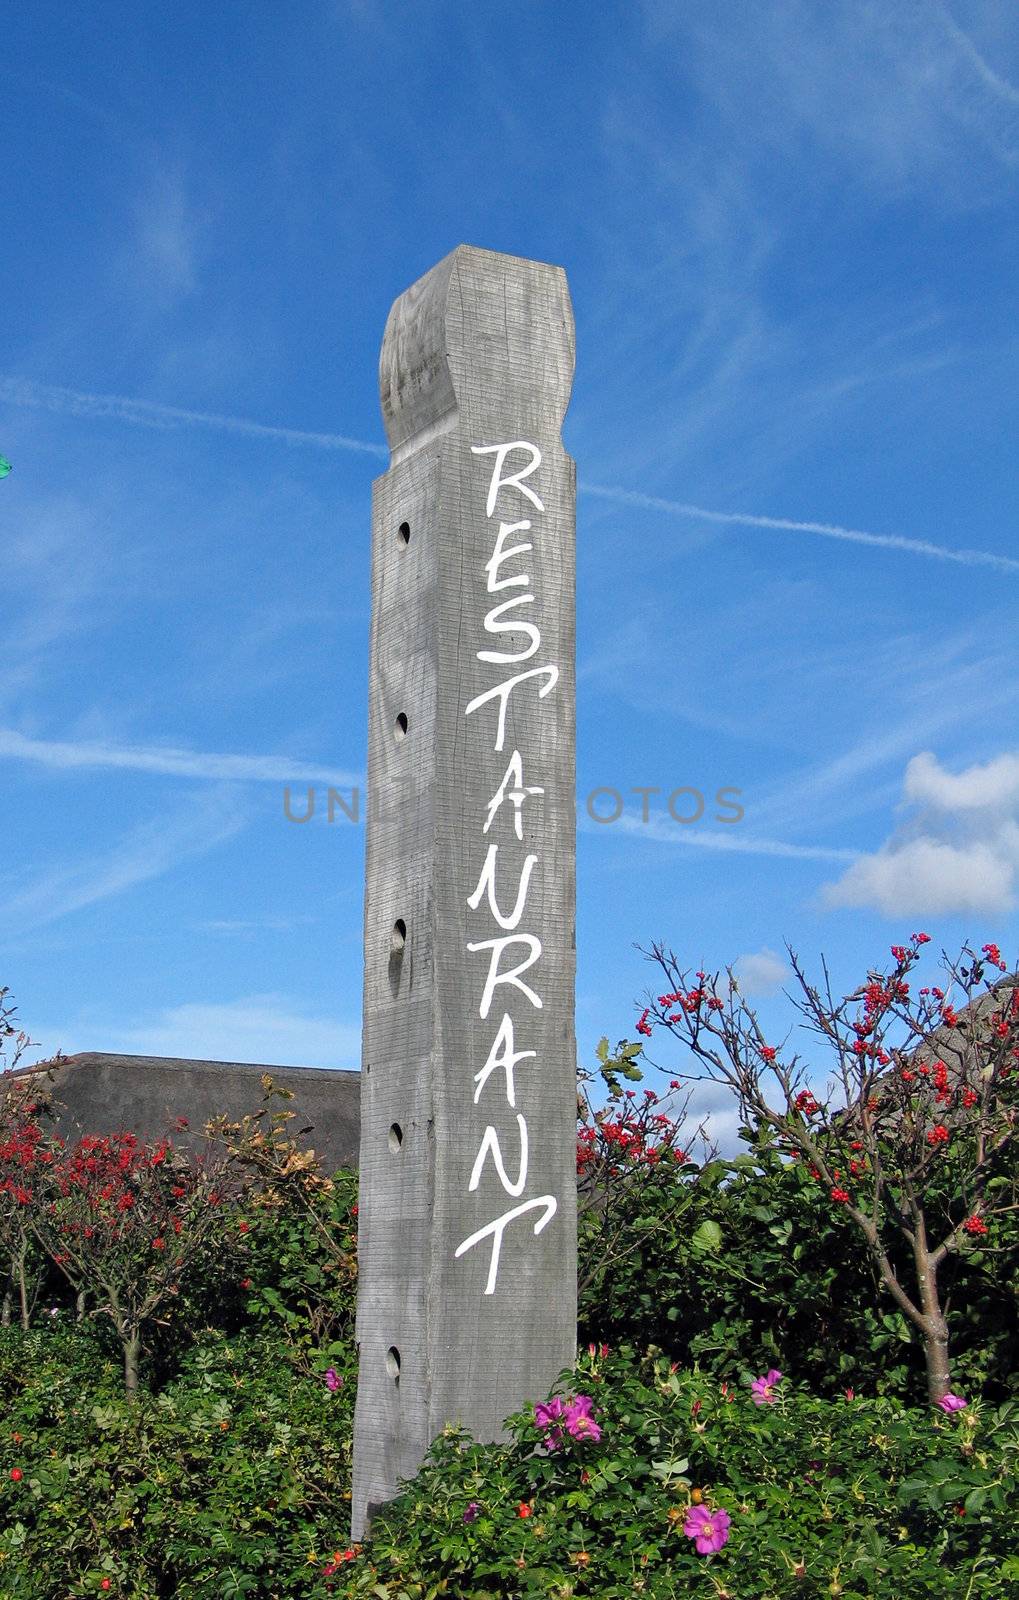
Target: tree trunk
(79, 1306)
(23, 1287)
(934, 1327)
(132, 1353)
(935, 1349)
(7, 1304)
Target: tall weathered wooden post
(467, 1299)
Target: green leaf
(708, 1237)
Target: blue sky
(790, 233)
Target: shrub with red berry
(913, 1133)
(126, 1221)
(24, 1106)
(630, 1154)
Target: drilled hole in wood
(395, 1137)
(397, 947)
(393, 1363)
(400, 730)
(403, 533)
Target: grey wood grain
(478, 354)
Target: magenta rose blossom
(558, 1417)
(762, 1390)
(580, 1421)
(708, 1529)
(333, 1380)
(550, 1417)
(951, 1402)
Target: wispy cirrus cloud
(263, 1027)
(149, 414)
(733, 840)
(893, 91)
(165, 241)
(68, 755)
(998, 85)
(825, 530)
(144, 853)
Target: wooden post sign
(467, 1213)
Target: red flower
(16, 1474)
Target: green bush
(759, 1265)
(224, 1484)
(847, 1497)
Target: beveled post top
(478, 325)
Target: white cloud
(927, 877)
(991, 786)
(958, 853)
(761, 973)
(264, 1028)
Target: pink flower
(762, 1390)
(549, 1417)
(558, 1417)
(951, 1402)
(333, 1380)
(580, 1421)
(709, 1529)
